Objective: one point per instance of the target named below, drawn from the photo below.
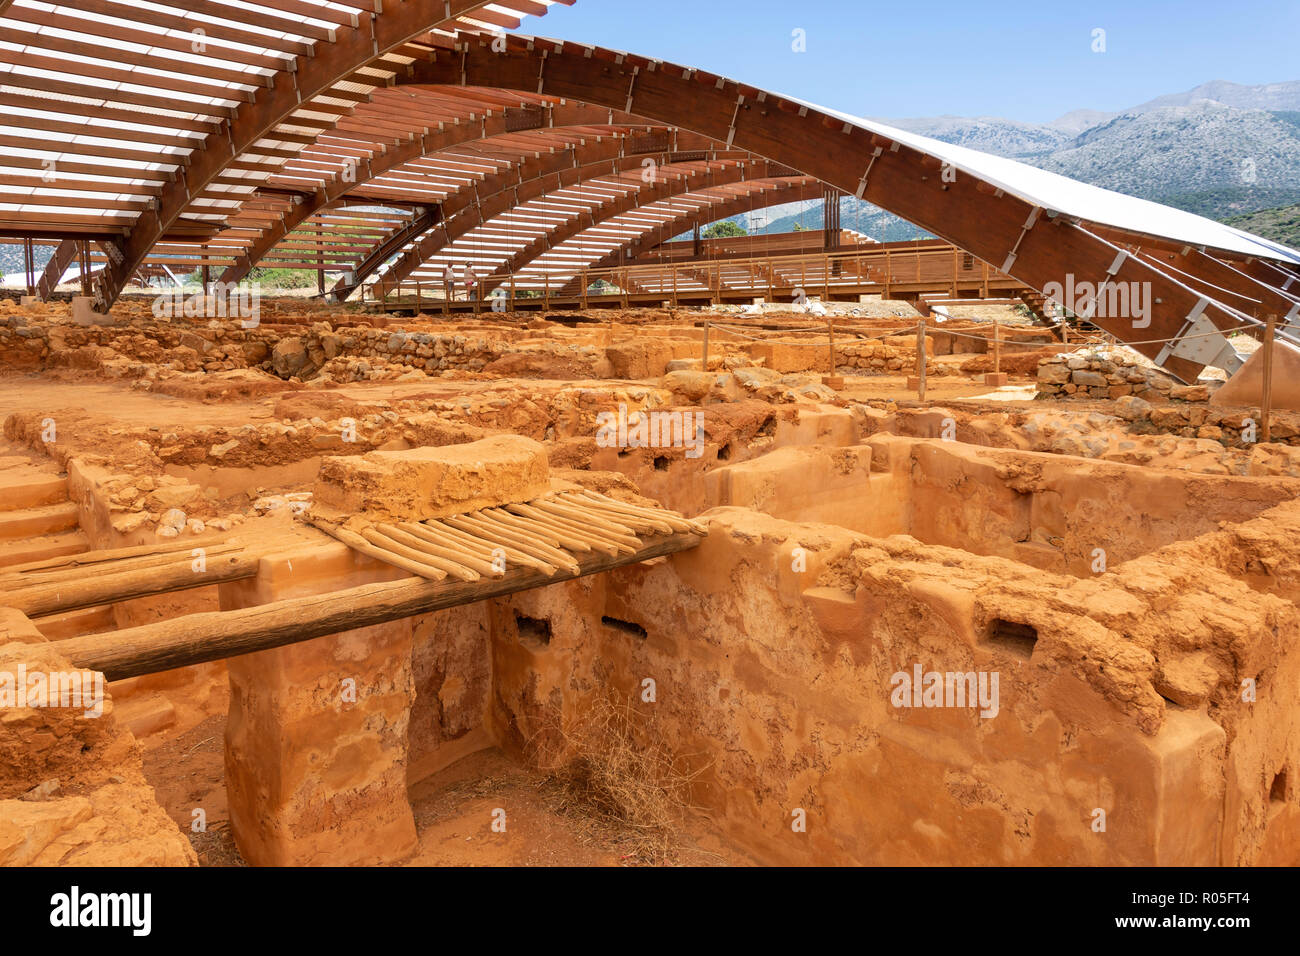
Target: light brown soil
(454, 817)
(453, 814)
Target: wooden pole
(830, 334)
(103, 587)
(88, 558)
(1266, 399)
(704, 366)
(920, 360)
(29, 263)
(22, 580)
(997, 347)
(215, 635)
(83, 259)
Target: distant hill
(1267, 96)
(1221, 149)
(861, 216)
(989, 134)
(1281, 224)
(11, 258)
(1251, 157)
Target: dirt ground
(454, 815)
(454, 818)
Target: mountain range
(1222, 150)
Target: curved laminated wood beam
(766, 193)
(1248, 288)
(758, 173)
(305, 77)
(479, 203)
(561, 118)
(388, 246)
(1037, 246)
(784, 192)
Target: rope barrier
(965, 335)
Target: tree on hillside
(725, 229)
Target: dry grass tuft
(616, 769)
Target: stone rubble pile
(1101, 373)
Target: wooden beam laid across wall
(210, 636)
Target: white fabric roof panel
(1073, 198)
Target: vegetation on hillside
(1281, 224)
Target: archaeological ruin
(541, 526)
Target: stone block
(83, 312)
(1055, 374)
(435, 482)
(1088, 378)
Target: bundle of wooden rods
(543, 534)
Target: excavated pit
(1128, 573)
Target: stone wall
(1112, 373)
(350, 354)
(1155, 403)
(1229, 426)
(891, 355)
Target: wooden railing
(899, 268)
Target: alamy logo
(222, 300)
(946, 689)
(1105, 300)
(651, 430)
(72, 909)
(83, 690)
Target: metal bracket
(1291, 321)
(631, 86)
(735, 115)
(1200, 341)
(1024, 231)
(862, 183)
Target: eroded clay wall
(1049, 511)
(776, 685)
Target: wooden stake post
(1266, 399)
(920, 360)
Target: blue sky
(1021, 60)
